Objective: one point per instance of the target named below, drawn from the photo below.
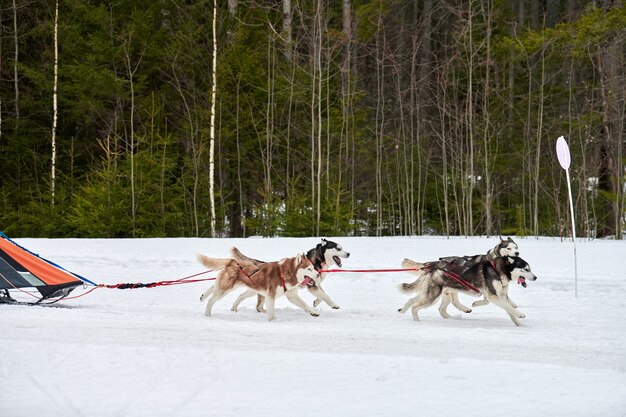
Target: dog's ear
(324, 241)
(511, 260)
(299, 258)
(509, 239)
(501, 240)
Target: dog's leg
(408, 304)
(260, 300)
(445, 302)
(321, 295)
(206, 294)
(504, 304)
(243, 296)
(270, 302)
(422, 300)
(297, 301)
(482, 302)
(454, 296)
(216, 295)
(421, 304)
(511, 301)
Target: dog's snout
(517, 253)
(347, 254)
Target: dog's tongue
(337, 260)
(306, 282)
(522, 281)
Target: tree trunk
(487, 127)
(212, 125)
(470, 175)
(131, 75)
(287, 31)
(1, 60)
(232, 7)
(54, 103)
(346, 104)
(553, 12)
(15, 75)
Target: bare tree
(131, 69)
(232, 7)
(54, 101)
(15, 62)
(487, 120)
(212, 125)
(287, 29)
(1, 59)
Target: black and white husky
(457, 264)
(490, 278)
(322, 256)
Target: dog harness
(456, 277)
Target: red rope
(369, 270)
(184, 280)
(452, 275)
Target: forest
(236, 118)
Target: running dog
(271, 279)
(324, 255)
(506, 247)
(489, 278)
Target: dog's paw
(469, 310)
(233, 309)
(315, 313)
(335, 307)
(521, 316)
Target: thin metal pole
(571, 207)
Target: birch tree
(16, 59)
(212, 123)
(54, 100)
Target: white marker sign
(562, 153)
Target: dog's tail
(408, 263)
(417, 270)
(214, 263)
(243, 259)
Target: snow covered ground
(152, 352)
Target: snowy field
(152, 352)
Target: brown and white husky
(270, 279)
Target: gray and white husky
(322, 256)
(457, 264)
(490, 278)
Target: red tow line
(452, 275)
(370, 270)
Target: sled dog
(324, 255)
(271, 279)
(506, 247)
(489, 278)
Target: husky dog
(457, 264)
(324, 255)
(490, 278)
(271, 279)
